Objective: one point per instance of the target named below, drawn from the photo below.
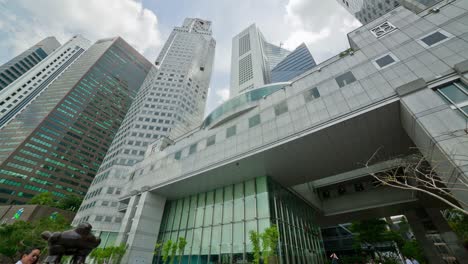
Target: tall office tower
(252, 60)
(20, 64)
(367, 10)
(171, 99)
(22, 92)
(296, 63)
(58, 142)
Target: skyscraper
(58, 141)
(15, 97)
(20, 64)
(170, 101)
(252, 59)
(296, 63)
(367, 10)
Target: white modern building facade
(367, 10)
(170, 102)
(252, 59)
(14, 68)
(20, 93)
(292, 154)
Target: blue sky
(145, 24)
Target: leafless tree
(415, 173)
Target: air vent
(383, 29)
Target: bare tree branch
(416, 174)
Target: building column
(449, 237)
(141, 227)
(430, 251)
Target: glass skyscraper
(20, 64)
(58, 141)
(296, 63)
(252, 59)
(170, 102)
(20, 93)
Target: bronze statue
(78, 242)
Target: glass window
(311, 94)
(206, 241)
(281, 108)
(188, 237)
(177, 155)
(434, 38)
(193, 148)
(238, 238)
(192, 212)
(200, 210)
(456, 94)
(209, 209)
(345, 79)
(262, 205)
(385, 61)
(218, 207)
(197, 240)
(216, 240)
(226, 238)
(254, 120)
(230, 131)
(185, 213)
(211, 140)
(228, 204)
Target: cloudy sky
(145, 24)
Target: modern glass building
(22, 63)
(252, 59)
(170, 101)
(59, 140)
(28, 86)
(216, 224)
(256, 62)
(296, 63)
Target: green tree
(458, 221)
(412, 249)
(118, 252)
(255, 239)
(166, 250)
(270, 238)
(70, 203)
(181, 246)
(372, 231)
(173, 252)
(12, 238)
(15, 237)
(45, 198)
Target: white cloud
(93, 19)
(322, 25)
(222, 94)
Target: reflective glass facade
(216, 224)
(58, 142)
(22, 63)
(241, 100)
(296, 63)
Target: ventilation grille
(383, 29)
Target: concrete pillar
(127, 220)
(143, 228)
(430, 251)
(449, 237)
